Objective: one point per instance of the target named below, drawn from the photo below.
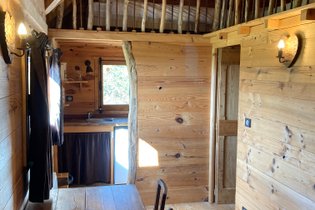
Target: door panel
(226, 124)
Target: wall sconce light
(289, 48)
(22, 32)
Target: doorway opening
(226, 123)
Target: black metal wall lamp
(22, 32)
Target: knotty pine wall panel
(173, 82)
(276, 156)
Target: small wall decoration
(89, 70)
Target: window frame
(112, 110)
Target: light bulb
(22, 30)
(281, 44)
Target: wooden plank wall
(12, 157)
(173, 116)
(276, 156)
(85, 98)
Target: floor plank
(197, 206)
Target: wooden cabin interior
(216, 98)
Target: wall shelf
(80, 82)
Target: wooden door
(226, 124)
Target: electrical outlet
(69, 98)
(248, 122)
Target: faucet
(89, 115)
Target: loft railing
(163, 16)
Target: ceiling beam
(103, 36)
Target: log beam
(52, 6)
(133, 112)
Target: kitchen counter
(93, 125)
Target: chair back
(161, 189)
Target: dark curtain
(40, 159)
(86, 156)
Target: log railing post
(229, 21)
(271, 6)
(180, 17)
(163, 13)
(216, 19)
(144, 17)
(125, 15)
(237, 12)
(197, 16)
(90, 15)
(60, 13)
(74, 14)
(108, 14)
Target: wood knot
(177, 155)
(179, 120)
(160, 88)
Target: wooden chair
(161, 188)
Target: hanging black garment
(40, 136)
(55, 98)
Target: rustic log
(257, 9)
(223, 14)
(237, 12)
(90, 15)
(197, 16)
(271, 6)
(144, 17)
(108, 14)
(180, 16)
(133, 110)
(60, 12)
(282, 5)
(229, 17)
(74, 14)
(216, 19)
(125, 15)
(246, 10)
(163, 16)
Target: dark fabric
(55, 99)
(86, 156)
(40, 143)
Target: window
(115, 85)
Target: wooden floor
(197, 206)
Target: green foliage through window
(115, 85)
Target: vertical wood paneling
(174, 83)
(12, 184)
(276, 167)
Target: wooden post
(271, 6)
(197, 16)
(74, 14)
(216, 19)
(180, 16)
(108, 15)
(60, 12)
(246, 10)
(144, 17)
(223, 14)
(229, 17)
(163, 16)
(90, 15)
(257, 8)
(133, 111)
(125, 15)
(237, 12)
(212, 124)
(282, 5)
